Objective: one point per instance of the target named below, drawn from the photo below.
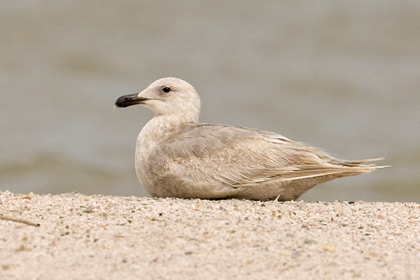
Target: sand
(107, 237)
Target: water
(343, 76)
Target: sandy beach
(75, 236)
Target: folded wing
(239, 157)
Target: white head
(167, 97)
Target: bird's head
(167, 96)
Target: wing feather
(239, 157)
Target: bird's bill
(129, 100)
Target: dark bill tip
(129, 100)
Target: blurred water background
(341, 75)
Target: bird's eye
(166, 89)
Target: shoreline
(110, 237)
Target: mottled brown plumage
(178, 157)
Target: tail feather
(337, 169)
(355, 162)
(356, 167)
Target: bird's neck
(160, 128)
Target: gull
(176, 156)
